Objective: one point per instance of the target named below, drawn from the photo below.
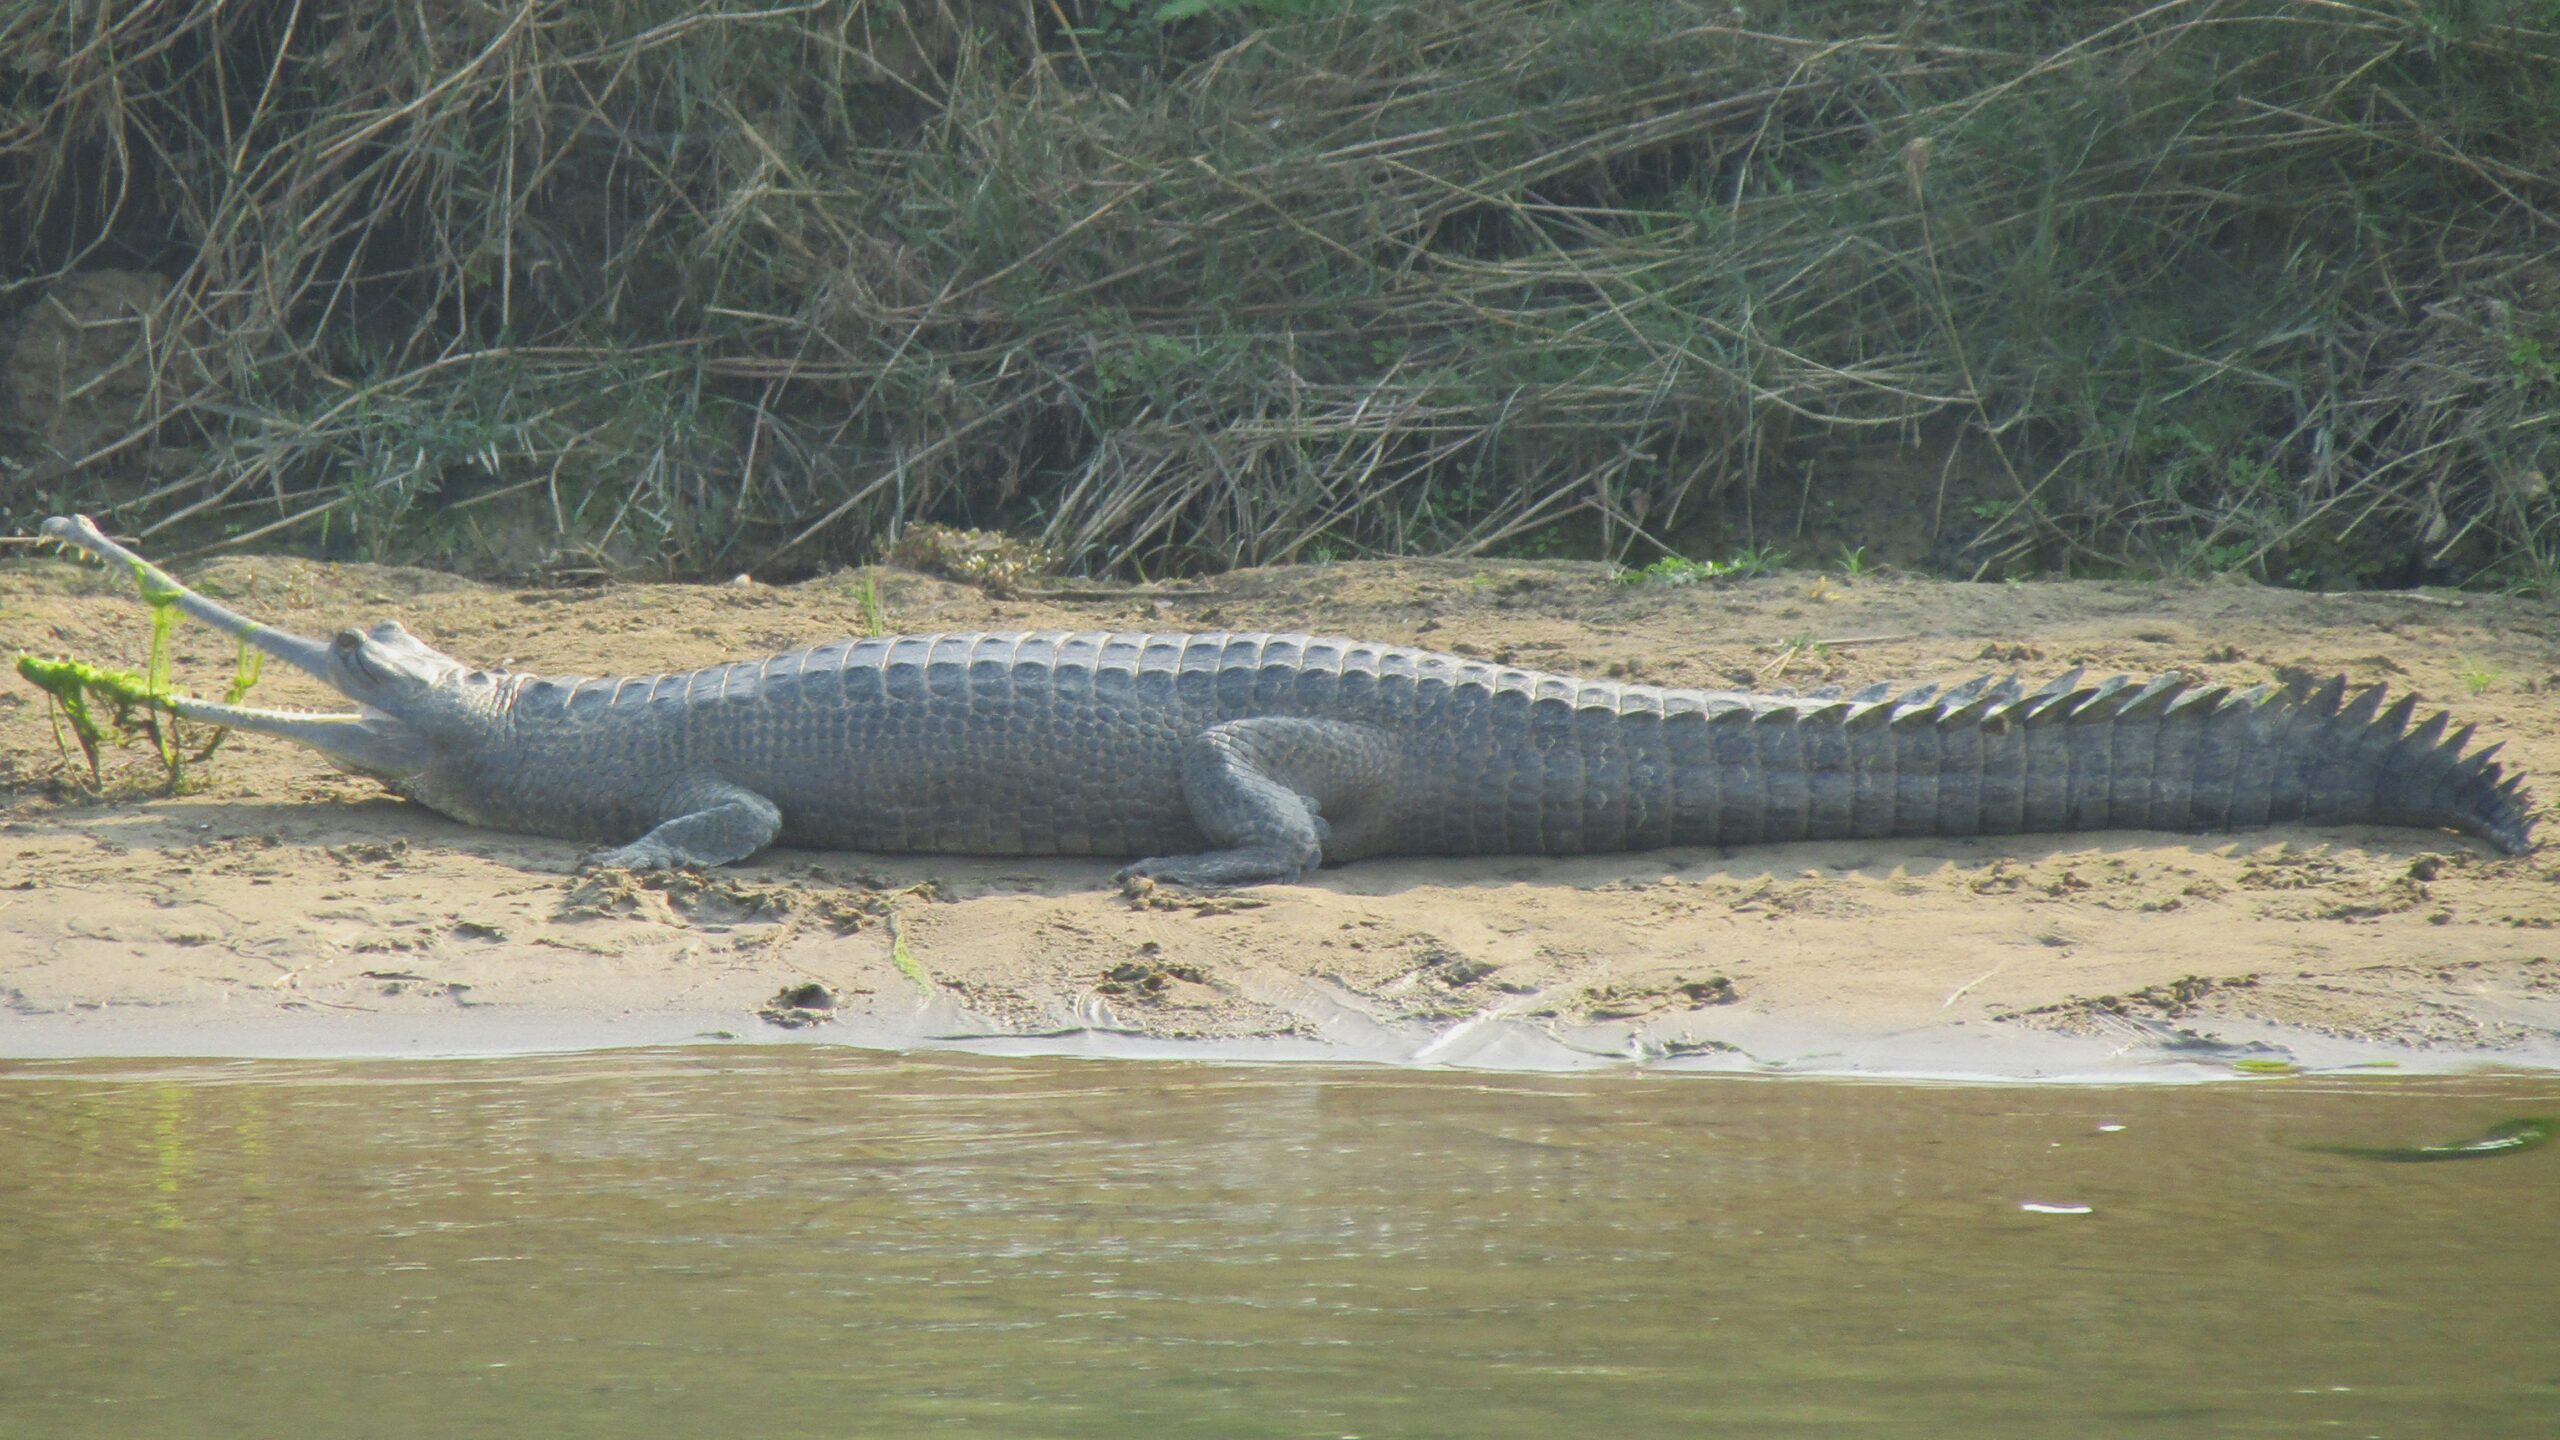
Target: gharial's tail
(1988, 758)
(2346, 758)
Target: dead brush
(577, 288)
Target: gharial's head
(413, 701)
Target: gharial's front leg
(1262, 790)
(712, 823)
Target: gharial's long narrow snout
(160, 587)
(371, 740)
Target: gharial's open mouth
(369, 739)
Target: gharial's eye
(348, 642)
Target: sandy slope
(285, 908)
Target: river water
(785, 1243)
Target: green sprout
(875, 616)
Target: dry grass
(542, 286)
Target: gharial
(1234, 759)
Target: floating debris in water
(2038, 1207)
(2507, 1137)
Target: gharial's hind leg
(1260, 789)
(716, 824)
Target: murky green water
(806, 1243)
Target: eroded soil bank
(283, 908)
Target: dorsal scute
(1973, 709)
(2060, 685)
(2055, 700)
(2155, 698)
(1867, 714)
(2430, 731)
(2454, 745)
(2207, 698)
(1962, 695)
(2104, 700)
(2360, 711)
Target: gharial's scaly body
(1230, 759)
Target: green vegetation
(613, 285)
(905, 959)
(131, 702)
(134, 704)
(866, 599)
(1674, 570)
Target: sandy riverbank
(282, 908)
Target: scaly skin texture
(1231, 759)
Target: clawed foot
(1220, 869)
(1146, 875)
(643, 855)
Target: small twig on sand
(1108, 595)
(1958, 993)
(2420, 597)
